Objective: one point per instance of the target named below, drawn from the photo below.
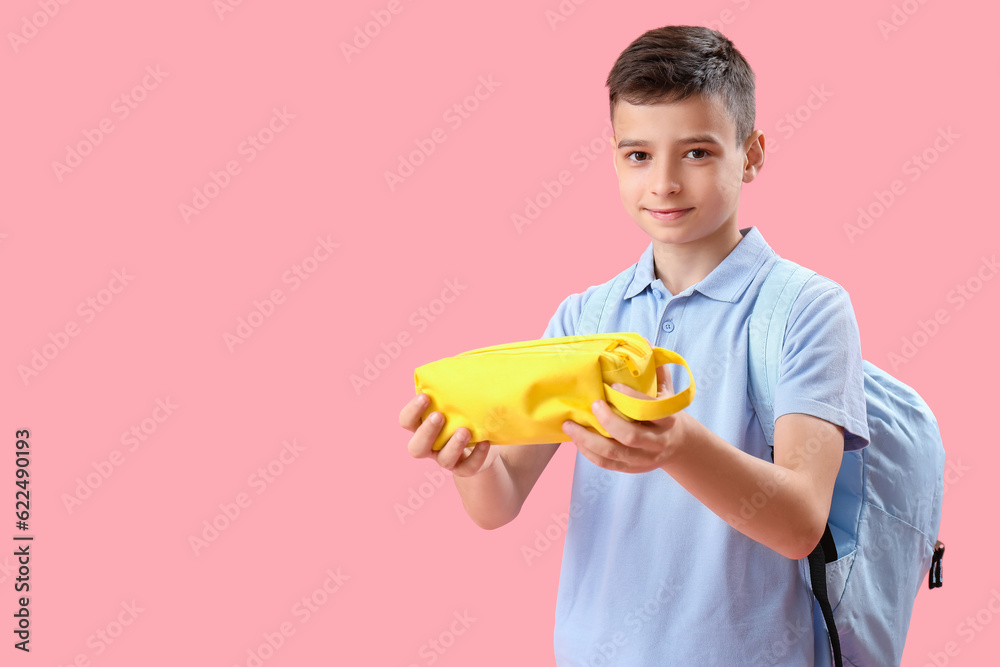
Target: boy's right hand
(454, 455)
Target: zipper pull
(630, 363)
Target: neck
(680, 265)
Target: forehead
(666, 122)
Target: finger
(409, 416)
(632, 434)
(629, 391)
(585, 447)
(449, 455)
(664, 381)
(422, 442)
(597, 448)
(471, 464)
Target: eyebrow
(697, 139)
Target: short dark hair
(672, 63)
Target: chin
(669, 233)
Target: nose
(663, 179)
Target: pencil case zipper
(611, 347)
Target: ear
(754, 157)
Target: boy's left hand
(637, 446)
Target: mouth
(667, 213)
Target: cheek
(732, 177)
(731, 185)
(630, 186)
(721, 184)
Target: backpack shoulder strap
(597, 308)
(768, 321)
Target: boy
(686, 543)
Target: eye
(636, 153)
(699, 150)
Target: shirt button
(668, 326)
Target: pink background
(405, 579)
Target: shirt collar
(726, 282)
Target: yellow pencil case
(521, 393)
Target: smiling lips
(668, 213)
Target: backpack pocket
(837, 574)
(878, 576)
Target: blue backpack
(881, 536)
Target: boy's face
(665, 158)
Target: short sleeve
(567, 315)
(821, 370)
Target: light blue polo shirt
(650, 576)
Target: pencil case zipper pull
(629, 362)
